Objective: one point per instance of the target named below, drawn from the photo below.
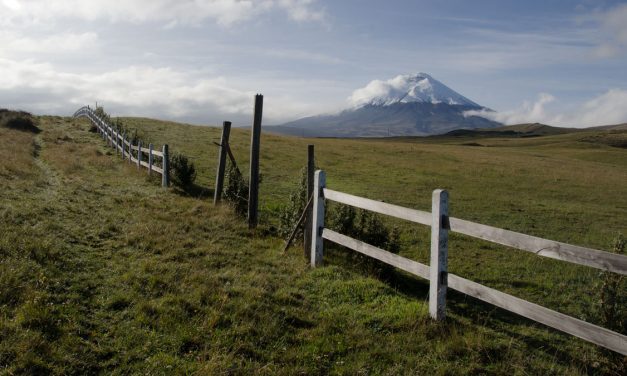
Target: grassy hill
(103, 271)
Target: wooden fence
(437, 273)
(141, 155)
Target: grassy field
(102, 271)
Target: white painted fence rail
(134, 153)
(441, 280)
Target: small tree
(290, 214)
(183, 171)
(367, 227)
(236, 190)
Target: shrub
(182, 170)
(100, 112)
(236, 190)
(290, 214)
(19, 120)
(367, 227)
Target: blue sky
(561, 62)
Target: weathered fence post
(115, 141)
(149, 159)
(165, 177)
(139, 154)
(224, 141)
(310, 186)
(439, 254)
(253, 181)
(124, 146)
(317, 223)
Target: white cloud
(138, 90)
(374, 89)
(614, 24)
(300, 10)
(172, 12)
(608, 108)
(15, 44)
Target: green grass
(103, 271)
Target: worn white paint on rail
(412, 215)
(548, 248)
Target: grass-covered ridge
(102, 271)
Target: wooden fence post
(165, 177)
(253, 181)
(224, 141)
(115, 141)
(139, 153)
(317, 223)
(149, 159)
(310, 186)
(439, 254)
(124, 146)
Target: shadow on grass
(194, 190)
(479, 313)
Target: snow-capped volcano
(406, 105)
(409, 88)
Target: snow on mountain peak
(419, 87)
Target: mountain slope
(407, 105)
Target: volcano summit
(406, 105)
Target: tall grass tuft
(612, 304)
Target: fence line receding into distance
(437, 273)
(141, 155)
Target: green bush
(100, 112)
(367, 227)
(182, 170)
(236, 190)
(290, 214)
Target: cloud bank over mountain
(605, 109)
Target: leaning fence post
(439, 254)
(165, 177)
(317, 223)
(224, 141)
(149, 159)
(139, 153)
(310, 186)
